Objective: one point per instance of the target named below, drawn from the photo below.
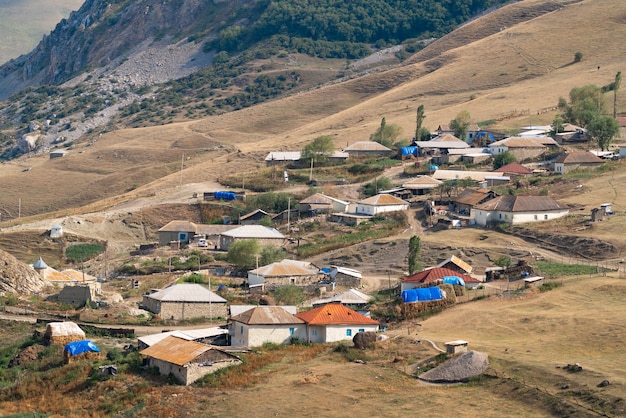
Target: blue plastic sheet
(79, 347)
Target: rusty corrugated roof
(266, 315)
(513, 168)
(579, 157)
(335, 314)
(176, 350)
(471, 197)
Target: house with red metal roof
(335, 322)
(434, 276)
(514, 169)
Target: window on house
(361, 329)
(291, 331)
(545, 216)
(241, 329)
(313, 331)
(348, 333)
(500, 215)
(536, 217)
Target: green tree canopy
(503, 159)
(603, 129)
(319, 149)
(460, 124)
(585, 103)
(380, 183)
(289, 295)
(386, 134)
(243, 254)
(270, 254)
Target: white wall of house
(559, 168)
(372, 210)
(497, 150)
(339, 207)
(485, 217)
(346, 332)
(257, 335)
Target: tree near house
(460, 124)
(415, 246)
(503, 159)
(380, 183)
(319, 149)
(386, 134)
(603, 129)
(585, 103)
(616, 84)
(243, 254)
(420, 131)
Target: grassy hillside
(24, 22)
(509, 76)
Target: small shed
(456, 347)
(56, 231)
(58, 154)
(533, 281)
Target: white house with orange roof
(335, 322)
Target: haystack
(61, 333)
(458, 369)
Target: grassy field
(24, 22)
(529, 339)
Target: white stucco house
(284, 272)
(379, 204)
(519, 209)
(265, 324)
(335, 322)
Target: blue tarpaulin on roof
(487, 134)
(422, 295)
(80, 347)
(453, 280)
(408, 151)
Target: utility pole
(289, 215)
(311, 172)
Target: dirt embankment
(568, 245)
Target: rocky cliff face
(17, 277)
(104, 32)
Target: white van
(202, 242)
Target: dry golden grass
(521, 69)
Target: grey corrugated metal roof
(254, 231)
(508, 203)
(186, 292)
(187, 334)
(179, 226)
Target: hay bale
(458, 369)
(62, 333)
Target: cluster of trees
(587, 108)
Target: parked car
(202, 243)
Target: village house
(472, 131)
(254, 217)
(88, 286)
(263, 234)
(320, 203)
(202, 335)
(285, 272)
(576, 160)
(514, 169)
(488, 177)
(469, 198)
(335, 322)
(187, 361)
(379, 204)
(184, 232)
(464, 155)
(265, 324)
(352, 298)
(344, 276)
(186, 301)
(519, 209)
(434, 276)
(456, 264)
(439, 145)
(524, 148)
(367, 149)
(421, 185)
(294, 158)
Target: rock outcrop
(458, 369)
(18, 277)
